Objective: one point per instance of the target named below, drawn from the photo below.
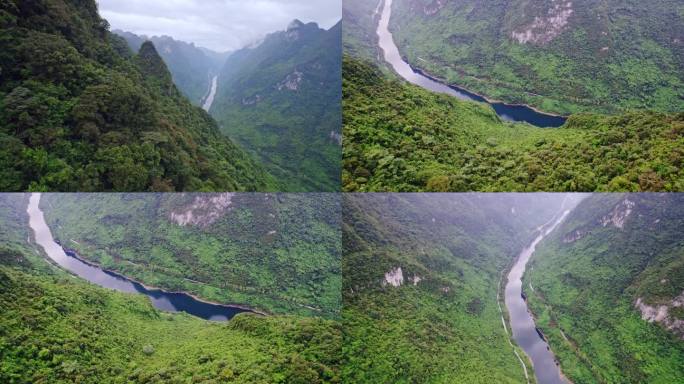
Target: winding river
(212, 94)
(522, 323)
(163, 300)
(507, 112)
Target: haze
(220, 25)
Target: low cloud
(221, 25)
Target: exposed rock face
(336, 137)
(545, 28)
(416, 279)
(395, 277)
(661, 314)
(619, 215)
(574, 236)
(434, 7)
(251, 100)
(291, 82)
(293, 30)
(203, 211)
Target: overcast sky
(220, 25)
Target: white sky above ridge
(220, 25)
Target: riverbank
(72, 253)
(417, 76)
(522, 322)
(484, 98)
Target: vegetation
(79, 112)
(399, 137)
(587, 277)
(281, 101)
(56, 329)
(563, 57)
(442, 324)
(279, 253)
(192, 67)
(359, 37)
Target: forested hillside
(421, 274)
(281, 101)
(561, 56)
(399, 137)
(192, 67)
(56, 328)
(275, 252)
(79, 112)
(359, 29)
(608, 289)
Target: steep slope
(359, 24)
(561, 56)
(281, 101)
(279, 253)
(77, 112)
(420, 279)
(192, 68)
(58, 330)
(608, 289)
(55, 328)
(399, 137)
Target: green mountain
(609, 289)
(79, 112)
(421, 274)
(359, 37)
(281, 101)
(192, 67)
(561, 56)
(279, 253)
(399, 137)
(55, 328)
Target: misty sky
(220, 25)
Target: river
(163, 300)
(508, 112)
(522, 323)
(212, 94)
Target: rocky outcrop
(204, 210)
(394, 277)
(547, 27)
(291, 82)
(619, 215)
(434, 7)
(662, 314)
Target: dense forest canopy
(421, 273)
(607, 284)
(279, 253)
(281, 100)
(192, 67)
(560, 56)
(80, 111)
(400, 137)
(55, 328)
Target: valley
(209, 99)
(436, 288)
(70, 261)
(505, 111)
(561, 57)
(406, 130)
(69, 320)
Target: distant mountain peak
(295, 24)
(152, 65)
